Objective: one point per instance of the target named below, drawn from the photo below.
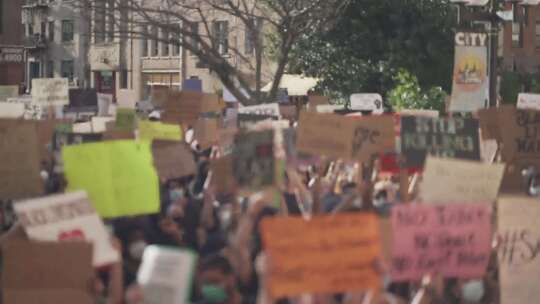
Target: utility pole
(493, 53)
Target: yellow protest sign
(118, 176)
(156, 130)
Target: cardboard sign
(323, 134)
(159, 95)
(206, 132)
(8, 91)
(20, 154)
(104, 102)
(367, 102)
(520, 135)
(118, 176)
(328, 108)
(11, 110)
(288, 111)
(118, 134)
(173, 160)
(316, 100)
(222, 171)
(528, 101)
(449, 137)
(419, 112)
(67, 217)
(246, 121)
(125, 119)
(452, 240)
(156, 130)
(83, 98)
(519, 262)
(186, 106)
(452, 180)
(325, 255)
(50, 91)
(166, 274)
(270, 109)
(254, 165)
(489, 123)
(47, 272)
(372, 135)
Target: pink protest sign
(453, 240)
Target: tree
(274, 24)
(374, 39)
(407, 94)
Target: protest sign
(222, 170)
(490, 123)
(371, 135)
(445, 137)
(192, 84)
(125, 119)
(328, 108)
(67, 217)
(453, 180)
(173, 159)
(324, 255)
(8, 91)
(316, 100)
(519, 262)
(104, 102)
(528, 101)
(47, 272)
(419, 112)
(186, 106)
(520, 135)
(20, 154)
(288, 111)
(156, 130)
(11, 110)
(324, 134)
(367, 102)
(451, 240)
(245, 121)
(159, 95)
(254, 164)
(50, 91)
(470, 79)
(83, 98)
(31, 111)
(166, 274)
(118, 176)
(118, 134)
(206, 132)
(271, 109)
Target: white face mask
(136, 249)
(472, 291)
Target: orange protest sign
(327, 254)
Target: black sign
(82, 98)
(443, 137)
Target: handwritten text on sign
(520, 134)
(327, 254)
(453, 240)
(50, 91)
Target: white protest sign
(328, 108)
(367, 102)
(67, 217)
(528, 101)
(11, 110)
(452, 180)
(475, 2)
(104, 102)
(165, 274)
(263, 109)
(31, 111)
(7, 91)
(50, 91)
(99, 124)
(420, 112)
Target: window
(67, 69)
(1, 15)
(220, 35)
(195, 32)
(99, 22)
(537, 29)
(176, 41)
(43, 29)
(144, 41)
(50, 69)
(51, 31)
(155, 42)
(30, 30)
(252, 35)
(517, 35)
(67, 30)
(165, 44)
(123, 79)
(110, 23)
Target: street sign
(11, 55)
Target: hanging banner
(470, 79)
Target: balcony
(36, 4)
(36, 42)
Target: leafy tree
(408, 95)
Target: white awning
(296, 85)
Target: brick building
(12, 54)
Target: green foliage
(510, 87)
(408, 95)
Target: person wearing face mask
(217, 282)
(133, 239)
(472, 291)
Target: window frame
(65, 33)
(62, 69)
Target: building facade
(11, 43)
(521, 47)
(56, 42)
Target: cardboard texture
(519, 263)
(47, 272)
(67, 217)
(20, 166)
(206, 132)
(327, 254)
(288, 112)
(185, 107)
(372, 135)
(125, 119)
(156, 130)
(324, 134)
(451, 240)
(118, 176)
(445, 137)
(160, 95)
(50, 91)
(520, 135)
(173, 159)
(452, 180)
(222, 172)
(316, 100)
(118, 134)
(489, 123)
